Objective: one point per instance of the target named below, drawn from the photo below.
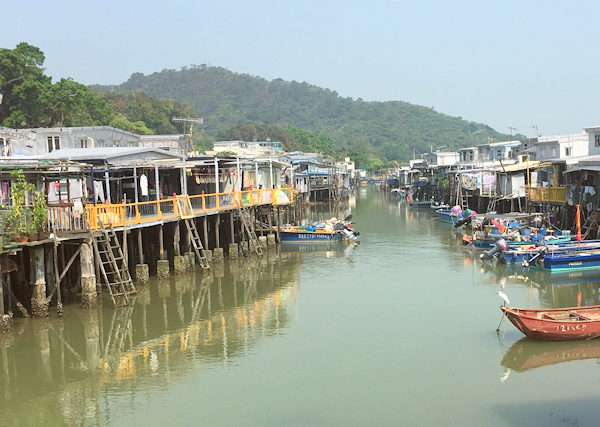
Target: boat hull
(560, 324)
(567, 261)
(312, 237)
(421, 205)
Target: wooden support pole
(161, 244)
(176, 244)
(217, 230)
(231, 228)
(140, 247)
(2, 312)
(269, 212)
(278, 224)
(59, 307)
(205, 226)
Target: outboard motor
(467, 220)
(349, 234)
(499, 246)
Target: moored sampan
(556, 324)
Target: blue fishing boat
(489, 243)
(518, 255)
(420, 205)
(294, 234)
(447, 215)
(558, 261)
(332, 230)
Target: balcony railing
(546, 194)
(130, 214)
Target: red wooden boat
(556, 324)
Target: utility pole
(537, 132)
(512, 129)
(191, 121)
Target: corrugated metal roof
(583, 168)
(107, 153)
(532, 164)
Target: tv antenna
(191, 121)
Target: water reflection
(528, 354)
(173, 326)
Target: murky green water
(400, 330)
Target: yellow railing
(128, 214)
(547, 194)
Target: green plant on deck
(16, 221)
(39, 212)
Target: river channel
(399, 330)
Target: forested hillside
(389, 130)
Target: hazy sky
(505, 63)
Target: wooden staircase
(112, 265)
(196, 243)
(248, 226)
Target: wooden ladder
(254, 244)
(591, 223)
(491, 204)
(113, 267)
(197, 243)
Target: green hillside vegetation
(30, 100)
(388, 130)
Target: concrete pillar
(262, 241)
(162, 268)
(209, 255)
(233, 251)
(39, 304)
(244, 247)
(218, 254)
(270, 240)
(180, 264)
(142, 273)
(191, 260)
(89, 296)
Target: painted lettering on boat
(576, 263)
(568, 328)
(312, 236)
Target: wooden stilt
(231, 228)
(140, 247)
(205, 226)
(161, 244)
(217, 231)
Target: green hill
(389, 130)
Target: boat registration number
(569, 328)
